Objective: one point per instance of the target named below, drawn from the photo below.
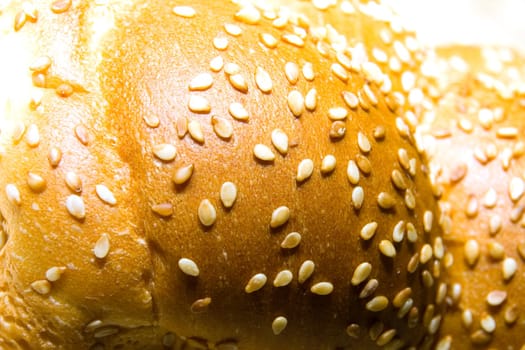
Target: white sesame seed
(228, 194)
(280, 216)
(220, 43)
(105, 332)
(73, 181)
(428, 218)
(352, 172)
(516, 188)
(248, 15)
(165, 152)
(491, 198)
(163, 209)
(339, 71)
(102, 246)
(368, 231)
(189, 267)
(358, 197)
(75, 206)
(238, 82)
(308, 71)
(361, 273)
(279, 324)
(54, 273)
(41, 287)
(337, 113)
(496, 250)
(377, 304)
(310, 100)
(222, 127)
(291, 70)
(199, 104)
(511, 314)
(40, 64)
(201, 82)
(238, 111)
(207, 213)
(305, 170)
(387, 248)
(328, 164)
(495, 224)
(305, 271)
(488, 324)
(283, 278)
(184, 11)
(268, 40)
(195, 130)
(232, 29)
(425, 254)
(439, 248)
(350, 99)
(434, 324)
(33, 136)
(385, 200)
(280, 141)
(291, 240)
(399, 231)
(13, 194)
(216, 64)
(292, 39)
(471, 251)
(263, 80)
(363, 142)
(466, 318)
(507, 132)
(183, 174)
(263, 153)
(509, 268)
(496, 297)
(411, 232)
(105, 194)
(322, 288)
(296, 103)
(255, 283)
(232, 68)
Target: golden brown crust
(142, 256)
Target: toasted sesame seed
(105, 194)
(238, 111)
(248, 15)
(350, 99)
(199, 305)
(41, 287)
(201, 82)
(163, 209)
(220, 43)
(216, 64)
(413, 263)
(339, 71)
(54, 273)
(222, 127)
(268, 40)
(207, 213)
(516, 188)
(361, 273)
(232, 29)
(425, 254)
(305, 170)
(428, 280)
(255, 283)
(189, 267)
(238, 82)
(509, 268)
(165, 152)
(291, 70)
(183, 174)
(363, 163)
(280, 216)
(353, 330)
(352, 172)
(305, 271)
(401, 297)
(369, 288)
(195, 130)
(490, 199)
(283, 278)
(263, 80)
(199, 104)
(291, 240)
(441, 293)
(358, 197)
(328, 164)
(368, 231)
(13, 194)
(386, 337)
(102, 246)
(228, 194)
(263, 153)
(496, 250)
(337, 113)
(511, 314)
(310, 100)
(322, 288)
(471, 251)
(428, 218)
(296, 103)
(385, 200)
(377, 304)
(184, 11)
(75, 206)
(337, 130)
(387, 248)
(279, 324)
(292, 39)
(280, 141)
(398, 232)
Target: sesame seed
(40, 64)
(363, 163)
(255, 283)
(105, 194)
(509, 268)
(283, 278)
(370, 95)
(232, 29)
(195, 130)
(73, 181)
(184, 11)
(507, 132)
(13, 194)
(82, 134)
(471, 251)
(363, 142)
(352, 172)
(280, 216)
(411, 232)
(292, 39)
(386, 337)
(369, 288)
(385, 200)
(413, 263)
(399, 231)
(263, 153)
(291, 240)
(434, 324)
(427, 279)
(428, 218)
(216, 64)
(305, 170)
(407, 306)
(472, 207)
(164, 210)
(377, 304)
(165, 152)
(75, 206)
(35, 182)
(183, 174)
(439, 248)
(441, 293)
(425, 254)
(322, 288)
(220, 43)
(32, 136)
(339, 71)
(403, 158)
(280, 141)
(222, 127)
(308, 71)
(387, 248)
(368, 231)
(189, 267)
(18, 132)
(64, 90)
(488, 324)
(228, 194)
(279, 324)
(263, 80)
(310, 100)
(102, 246)
(199, 104)
(365, 105)
(379, 132)
(238, 82)
(496, 297)
(41, 287)
(491, 198)
(181, 123)
(201, 82)
(207, 213)
(291, 70)
(105, 332)
(361, 273)
(398, 180)
(199, 305)
(337, 113)
(495, 224)
(305, 271)
(350, 99)
(466, 318)
(248, 15)
(296, 103)
(511, 314)
(496, 250)
(401, 297)
(232, 68)
(152, 121)
(268, 40)
(353, 330)
(20, 20)
(516, 188)
(238, 111)
(54, 273)
(358, 197)
(328, 164)
(337, 130)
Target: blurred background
(497, 22)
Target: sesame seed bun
(206, 177)
(474, 140)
